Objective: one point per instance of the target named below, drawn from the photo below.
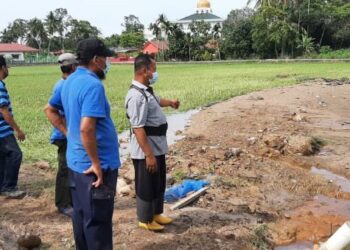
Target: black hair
(2, 61)
(143, 61)
(84, 61)
(67, 69)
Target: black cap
(88, 48)
(2, 61)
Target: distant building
(14, 51)
(154, 47)
(203, 13)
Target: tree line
(60, 31)
(272, 29)
(286, 28)
(57, 31)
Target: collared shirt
(143, 113)
(56, 134)
(5, 128)
(83, 95)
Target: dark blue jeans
(93, 210)
(10, 162)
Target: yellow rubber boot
(162, 220)
(152, 226)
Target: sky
(108, 15)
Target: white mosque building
(204, 13)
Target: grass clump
(317, 143)
(260, 238)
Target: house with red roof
(154, 47)
(15, 51)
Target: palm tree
(306, 43)
(156, 30)
(161, 26)
(36, 35)
(62, 18)
(52, 25)
(19, 29)
(260, 3)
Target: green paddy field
(195, 85)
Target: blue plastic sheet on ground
(180, 191)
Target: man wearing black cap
(63, 200)
(92, 151)
(10, 153)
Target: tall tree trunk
(62, 42)
(323, 31)
(308, 14)
(283, 50)
(49, 46)
(276, 52)
(299, 20)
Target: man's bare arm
(55, 118)
(11, 121)
(169, 103)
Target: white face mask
(108, 66)
(102, 75)
(154, 79)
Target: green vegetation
(317, 143)
(260, 238)
(225, 182)
(327, 53)
(179, 175)
(58, 31)
(194, 85)
(273, 29)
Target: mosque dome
(203, 4)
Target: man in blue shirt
(10, 153)
(92, 152)
(63, 201)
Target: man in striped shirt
(10, 153)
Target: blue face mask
(154, 78)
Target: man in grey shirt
(148, 143)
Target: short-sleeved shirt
(145, 112)
(83, 95)
(56, 134)
(5, 128)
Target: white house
(15, 51)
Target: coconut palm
(52, 25)
(36, 35)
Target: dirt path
(265, 154)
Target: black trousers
(63, 196)
(10, 162)
(93, 210)
(150, 188)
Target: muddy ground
(265, 154)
